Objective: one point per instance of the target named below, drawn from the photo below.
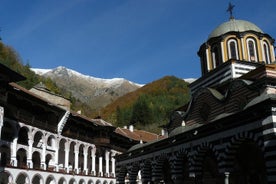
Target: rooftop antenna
(230, 10)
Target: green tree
(142, 114)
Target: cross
(230, 10)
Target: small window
(232, 49)
(266, 53)
(215, 56)
(252, 53)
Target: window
(266, 53)
(232, 49)
(251, 46)
(215, 56)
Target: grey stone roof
(235, 26)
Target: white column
(1, 119)
(76, 161)
(56, 157)
(107, 154)
(243, 49)
(43, 164)
(85, 153)
(222, 52)
(226, 178)
(66, 159)
(101, 166)
(207, 59)
(272, 51)
(13, 152)
(113, 153)
(93, 155)
(30, 152)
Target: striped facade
(227, 134)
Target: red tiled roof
(138, 134)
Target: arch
(133, 173)
(90, 182)
(216, 56)
(98, 182)
(36, 159)
(245, 159)
(89, 158)
(5, 177)
(23, 136)
(5, 155)
(62, 181)
(38, 139)
(8, 131)
(22, 178)
(49, 162)
(21, 157)
(37, 179)
(82, 181)
(232, 48)
(206, 163)
(50, 180)
(61, 154)
(105, 182)
(111, 182)
(146, 172)
(81, 157)
(51, 141)
(121, 174)
(72, 156)
(266, 53)
(252, 49)
(181, 166)
(162, 170)
(72, 181)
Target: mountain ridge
(96, 92)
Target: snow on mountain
(97, 92)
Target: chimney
(131, 128)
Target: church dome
(234, 25)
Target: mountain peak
(88, 89)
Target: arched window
(232, 49)
(266, 53)
(251, 47)
(215, 56)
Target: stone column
(1, 119)
(30, 152)
(66, 159)
(101, 166)
(93, 155)
(76, 161)
(226, 177)
(85, 153)
(13, 152)
(56, 157)
(43, 164)
(113, 163)
(107, 154)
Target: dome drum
(239, 40)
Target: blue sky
(140, 40)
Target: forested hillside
(10, 58)
(147, 108)
(150, 106)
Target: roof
(138, 135)
(234, 25)
(10, 75)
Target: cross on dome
(230, 10)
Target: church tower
(238, 43)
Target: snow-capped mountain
(96, 92)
